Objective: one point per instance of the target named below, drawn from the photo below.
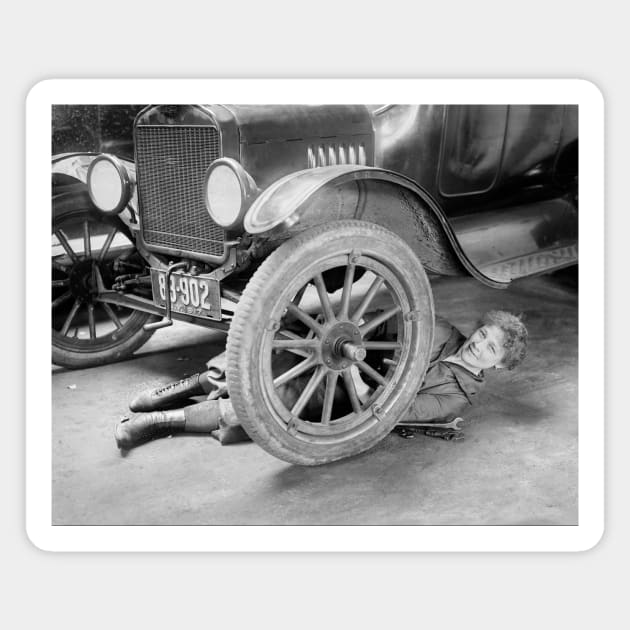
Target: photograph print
(331, 314)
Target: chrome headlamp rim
(247, 187)
(125, 180)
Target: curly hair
(515, 344)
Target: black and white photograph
(314, 315)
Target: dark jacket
(448, 388)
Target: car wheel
(85, 243)
(315, 374)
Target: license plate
(192, 295)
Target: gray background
(323, 39)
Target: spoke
(61, 299)
(309, 390)
(329, 396)
(295, 371)
(381, 345)
(304, 317)
(290, 335)
(347, 290)
(369, 296)
(73, 312)
(352, 391)
(87, 246)
(64, 243)
(56, 284)
(323, 297)
(287, 344)
(91, 323)
(107, 244)
(111, 314)
(59, 267)
(371, 372)
(377, 321)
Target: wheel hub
(342, 346)
(81, 279)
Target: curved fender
(319, 195)
(75, 166)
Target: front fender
(315, 196)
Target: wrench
(445, 434)
(453, 424)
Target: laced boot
(165, 396)
(146, 426)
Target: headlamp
(229, 192)
(109, 184)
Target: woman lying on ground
(454, 377)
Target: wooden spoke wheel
(315, 372)
(87, 245)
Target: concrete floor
(518, 464)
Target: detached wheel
(86, 332)
(319, 368)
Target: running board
(543, 261)
(510, 243)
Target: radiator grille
(171, 165)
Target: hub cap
(342, 346)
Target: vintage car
(307, 233)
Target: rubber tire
(79, 204)
(249, 322)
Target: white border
(583, 536)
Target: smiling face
(483, 349)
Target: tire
(85, 332)
(290, 357)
